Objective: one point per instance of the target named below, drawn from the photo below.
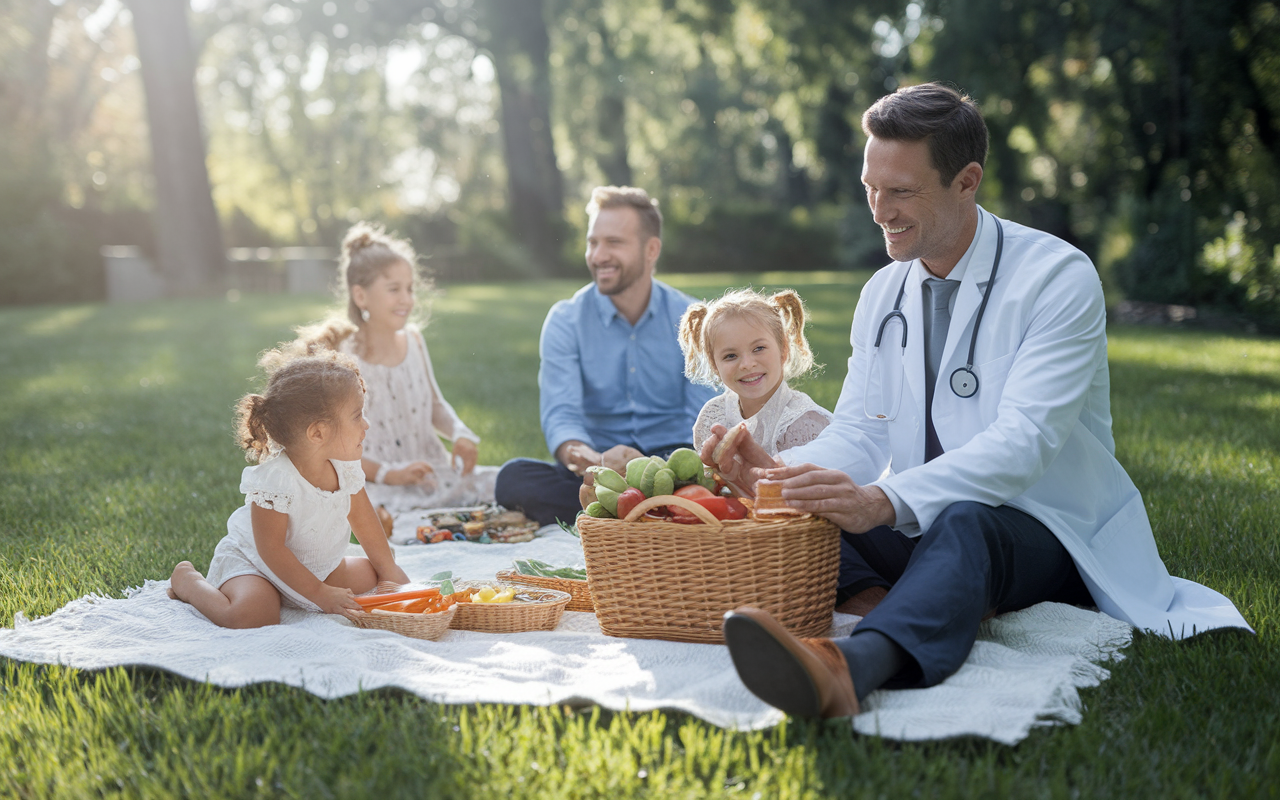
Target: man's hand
(832, 494)
(744, 461)
(464, 452)
(419, 472)
(577, 456)
(616, 457)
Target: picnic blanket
(1024, 671)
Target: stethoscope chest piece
(964, 382)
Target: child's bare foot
(185, 575)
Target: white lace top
(318, 531)
(788, 419)
(407, 416)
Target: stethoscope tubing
(977, 322)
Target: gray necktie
(936, 293)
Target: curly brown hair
(300, 391)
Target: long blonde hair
(782, 314)
(368, 251)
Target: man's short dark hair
(948, 121)
(629, 197)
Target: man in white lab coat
(970, 462)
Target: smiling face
(921, 218)
(389, 297)
(346, 431)
(749, 361)
(618, 254)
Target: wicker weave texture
(417, 626)
(656, 580)
(580, 591)
(543, 614)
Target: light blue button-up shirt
(606, 382)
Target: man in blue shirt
(611, 384)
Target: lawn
(117, 461)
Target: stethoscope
(964, 381)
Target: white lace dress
(407, 416)
(788, 419)
(318, 532)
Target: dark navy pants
(546, 491)
(974, 559)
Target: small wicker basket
(579, 591)
(663, 580)
(540, 612)
(417, 626)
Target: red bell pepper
(722, 508)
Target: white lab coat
(1036, 436)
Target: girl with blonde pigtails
(752, 345)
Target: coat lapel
(968, 298)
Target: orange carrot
(375, 600)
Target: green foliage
(119, 462)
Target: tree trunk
(520, 48)
(611, 119)
(188, 237)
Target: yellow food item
(488, 594)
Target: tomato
(694, 491)
(722, 508)
(629, 500)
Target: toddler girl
(287, 543)
(404, 462)
(751, 345)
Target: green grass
(117, 461)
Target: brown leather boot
(803, 677)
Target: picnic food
(679, 490)
(482, 524)
(729, 437)
(769, 501)
(413, 601)
(541, 569)
(488, 594)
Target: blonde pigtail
(791, 309)
(693, 343)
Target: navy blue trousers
(546, 491)
(974, 559)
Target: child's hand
(464, 450)
(417, 472)
(336, 600)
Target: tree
(188, 237)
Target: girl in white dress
(287, 544)
(751, 345)
(405, 465)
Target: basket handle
(672, 500)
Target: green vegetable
(685, 463)
(596, 509)
(608, 498)
(635, 470)
(610, 479)
(541, 569)
(664, 482)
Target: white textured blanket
(1024, 671)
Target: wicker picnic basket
(417, 626)
(540, 611)
(663, 580)
(579, 591)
